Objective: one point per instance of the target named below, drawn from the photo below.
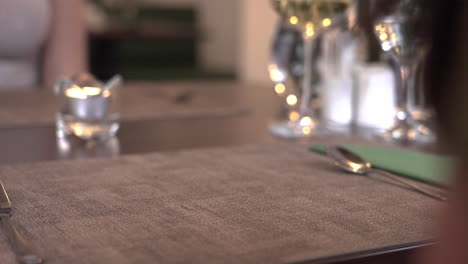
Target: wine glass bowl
(399, 35)
(310, 15)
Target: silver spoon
(353, 163)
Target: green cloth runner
(434, 169)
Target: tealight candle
(89, 103)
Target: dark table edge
(368, 254)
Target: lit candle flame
(90, 91)
(85, 92)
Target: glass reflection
(74, 148)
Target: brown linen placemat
(267, 203)
(139, 101)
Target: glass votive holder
(87, 108)
(72, 148)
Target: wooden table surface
(38, 143)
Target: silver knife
(19, 244)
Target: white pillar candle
(342, 52)
(375, 86)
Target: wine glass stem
(306, 97)
(403, 92)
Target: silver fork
(20, 246)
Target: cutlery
(20, 246)
(353, 163)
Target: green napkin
(434, 169)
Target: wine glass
(286, 72)
(401, 34)
(310, 18)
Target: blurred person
(41, 40)
(447, 79)
(446, 84)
